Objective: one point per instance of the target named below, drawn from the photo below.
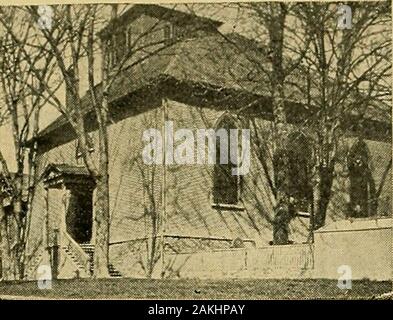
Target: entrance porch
(68, 231)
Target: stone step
(113, 272)
(89, 249)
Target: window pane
(226, 186)
(360, 180)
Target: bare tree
(20, 59)
(347, 72)
(335, 73)
(272, 22)
(73, 37)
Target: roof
(56, 175)
(159, 12)
(64, 169)
(213, 62)
(210, 60)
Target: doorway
(79, 215)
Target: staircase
(83, 265)
(82, 255)
(33, 265)
(88, 248)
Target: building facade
(193, 79)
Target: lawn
(195, 289)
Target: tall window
(226, 186)
(360, 179)
(296, 174)
(300, 155)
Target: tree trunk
(101, 253)
(6, 257)
(102, 216)
(282, 215)
(18, 227)
(326, 175)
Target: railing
(73, 247)
(33, 264)
(189, 244)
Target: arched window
(300, 156)
(296, 174)
(361, 183)
(226, 186)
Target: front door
(79, 216)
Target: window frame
(360, 143)
(238, 205)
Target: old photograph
(238, 150)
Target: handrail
(33, 264)
(77, 251)
(212, 238)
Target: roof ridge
(157, 10)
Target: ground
(195, 289)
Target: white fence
(291, 261)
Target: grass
(195, 289)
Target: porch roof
(63, 174)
